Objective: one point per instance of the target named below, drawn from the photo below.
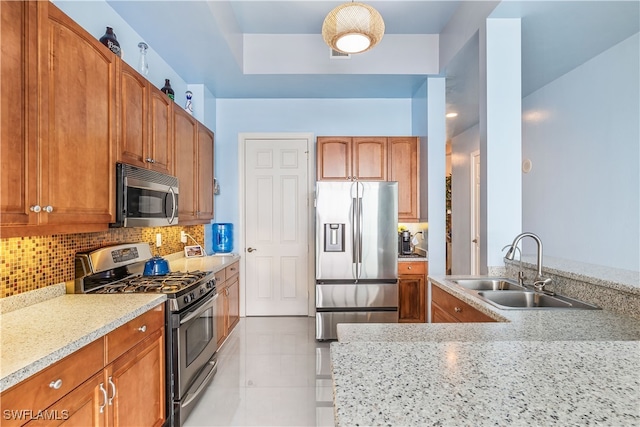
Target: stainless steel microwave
(145, 198)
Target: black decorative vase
(167, 89)
(111, 41)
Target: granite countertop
(530, 367)
(213, 263)
(34, 337)
(486, 383)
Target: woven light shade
(353, 28)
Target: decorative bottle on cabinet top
(167, 89)
(111, 41)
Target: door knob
(475, 240)
(251, 249)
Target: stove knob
(192, 296)
(187, 299)
(202, 291)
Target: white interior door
(276, 227)
(475, 212)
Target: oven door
(196, 342)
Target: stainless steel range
(191, 340)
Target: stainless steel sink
(488, 284)
(531, 300)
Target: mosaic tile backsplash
(28, 263)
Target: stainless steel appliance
(405, 238)
(356, 254)
(145, 198)
(191, 334)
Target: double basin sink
(508, 294)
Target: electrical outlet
(183, 237)
(158, 240)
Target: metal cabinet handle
(409, 267)
(48, 209)
(251, 249)
(104, 394)
(475, 240)
(149, 160)
(56, 384)
(113, 390)
(35, 208)
(457, 309)
(143, 328)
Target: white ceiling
(202, 41)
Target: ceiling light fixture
(451, 115)
(353, 28)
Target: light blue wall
(582, 134)
(366, 117)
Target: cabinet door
(438, 315)
(370, 158)
(77, 123)
(184, 127)
(334, 158)
(18, 172)
(456, 308)
(161, 143)
(411, 299)
(133, 138)
(205, 173)
(403, 168)
(136, 384)
(233, 295)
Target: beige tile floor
(272, 372)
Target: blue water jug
(222, 237)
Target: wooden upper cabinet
(185, 133)
(204, 180)
(57, 153)
(145, 138)
(334, 158)
(77, 123)
(403, 168)
(133, 117)
(370, 158)
(161, 132)
(347, 158)
(18, 112)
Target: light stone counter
(34, 337)
(531, 367)
(555, 383)
(213, 263)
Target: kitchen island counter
(530, 367)
(34, 337)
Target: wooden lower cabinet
(83, 389)
(228, 285)
(412, 297)
(445, 308)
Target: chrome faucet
(539, 282)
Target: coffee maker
(405, 243)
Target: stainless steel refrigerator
(356, 254)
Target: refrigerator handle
(359, 236)
(354, 231)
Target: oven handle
(195, 394)
(198, 312)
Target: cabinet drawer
(452, 306)
(232, 270)
(132, 332)
(39, 392)
(419, 267)
(220, 277)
